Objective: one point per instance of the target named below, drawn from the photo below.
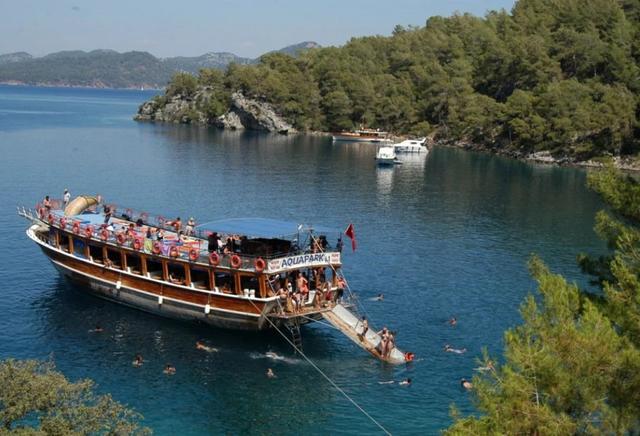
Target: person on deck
(160, 235)
(365, 328)
(212, 240)
(66, 197)
(177, 224)
(46, 203)
(340, 290)
(191, 224)
(106, 209)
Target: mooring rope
(322, 373)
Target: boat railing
(192, 249)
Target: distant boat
(411, 146)
(362, 135)
(386, 155)
(142, 88)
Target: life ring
(194, 254)
(76, 227)
(88, 231)
(173, 251)
(260, 264)
(121, 238)
(104, 234)
(214, 258)
(63, 223)
(157, 248)
(236, 262)
(51, 218)
(409, 356)
(137, 244)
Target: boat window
(225, 282)
(78, 247)
(95, 252)
(64, 243)
(176, 273)
(114, 257)
(134, 263)
(249, 283)
(200, 278)
(154, 268)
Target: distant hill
(111, 69)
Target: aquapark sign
(304, 261)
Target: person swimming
(138, 361)
(169, 369)
(453, 321)
(466, 384)
(97, 329)
(405, 382)
(380, 297)
(270, 373)
(488, 367)
(203, 347)
(449, 349)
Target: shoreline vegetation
(549, 81)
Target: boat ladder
(293, 326)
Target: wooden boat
(150, 263)
(362, 135)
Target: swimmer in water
(449, 349)
(98, 329)
(270, 373)
(203, 347)
(169, 369)
(466, 384)
(453, 321)
(488, 367)
(406, 382)
(274, 356)
(389, 382)
(138, 361)
(380, 297)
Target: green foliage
(183, 84)
(37, 399)
(559, 75)
(573, 366)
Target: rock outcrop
(243, 112)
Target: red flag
(351, 234)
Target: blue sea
(444, 235)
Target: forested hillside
(558, 75)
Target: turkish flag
(351, 234)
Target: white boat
(386, 155)
(411, 146)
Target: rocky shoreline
(626, 163)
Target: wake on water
(274, 356)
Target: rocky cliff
(243, 112)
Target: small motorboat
(386, 155)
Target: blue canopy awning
(262, 228)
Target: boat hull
(347, 138)
(160, 298)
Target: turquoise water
(444, 236)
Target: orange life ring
(88, 231)
(121, 238)
(408, 357)
(214, 258)
(236, 262)
(104, 234)
(157, 248)
(137, 244)
(194, 254)
(173, 251)
(260, 264)
(76, 227)
(63, 223)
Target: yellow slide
(80, 204)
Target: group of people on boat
(294, 289)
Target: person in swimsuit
(449, 349)
(138, 361)
(270, 373)
(466, 384)
(169, 369)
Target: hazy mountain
(14, 57)
(111, 69)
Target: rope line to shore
(323, 374)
